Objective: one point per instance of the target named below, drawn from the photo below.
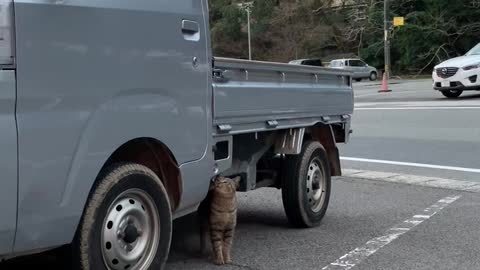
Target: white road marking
(417, 180)
(357, 255)
(377, 94)
(415, 108)
(436, 103)
(411, 164)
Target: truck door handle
(190, 27)
(191, 30)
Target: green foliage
(262, 15)
(226, 21)
(282, 30)
(435, 31)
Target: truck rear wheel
(127, 222)
(306, 186)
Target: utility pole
(387, 40)
(386, 74)
(247, 6)
(249, 36)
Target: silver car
(360, 69)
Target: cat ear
(236, 181)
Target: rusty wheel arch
(326, 136)
(156, 156)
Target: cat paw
(218, 262)
(228, 261)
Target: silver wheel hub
(315, 185)
(131, 231)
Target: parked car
(106, 139)
(360, 69)
(316, 62)
(458, 74)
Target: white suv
(459, 74)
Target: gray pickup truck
(115, 118)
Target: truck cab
(92, 83)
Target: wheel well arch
(326, 135)
(156, 156)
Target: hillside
(283, 30)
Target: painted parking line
(417, 180)
(359, 254)
(412, 164)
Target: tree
(226, 28)
(286, 29)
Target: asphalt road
(360, 212)
(415, 124)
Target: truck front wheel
(127, 222)
(306, 186)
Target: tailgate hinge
(272, 123)
(224, 128)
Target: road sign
(398, 21)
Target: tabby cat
(218, 214)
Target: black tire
(295, 186)
(131, 186)
(452, 93)
(358, 80)
(373, 76)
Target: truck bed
(251, 96)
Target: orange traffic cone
(385, 84)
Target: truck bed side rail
(251, 96)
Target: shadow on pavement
(57, 259)
(185, 242)
(465, 96)
(186, 238)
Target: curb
(416, 180)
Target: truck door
(8, 161)
(193, 66)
